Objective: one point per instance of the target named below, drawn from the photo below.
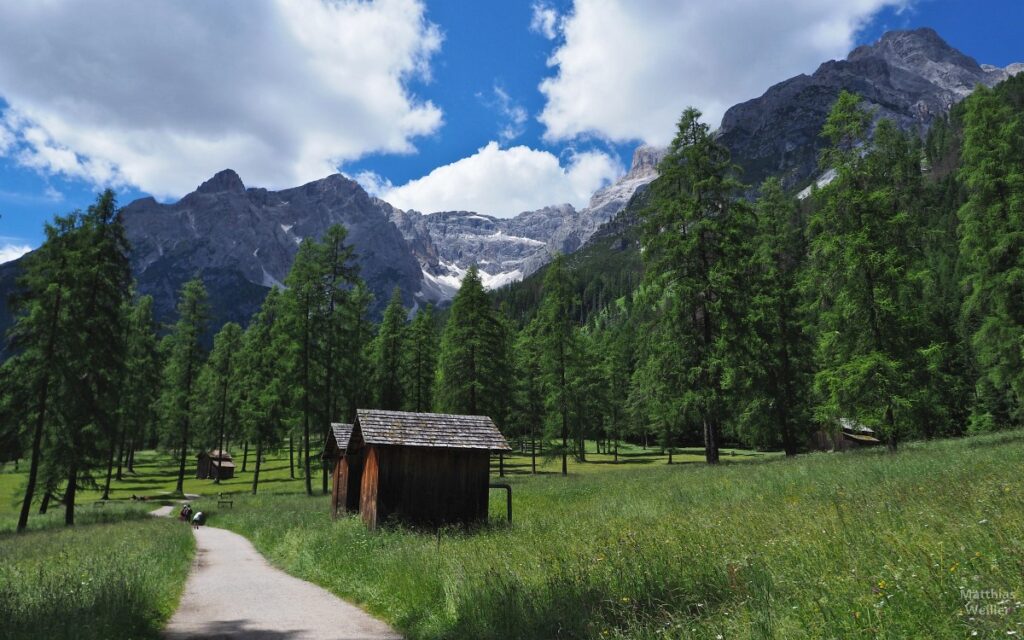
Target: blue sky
(496, 107)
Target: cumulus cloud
(544, 20)
(282, 91)
(501, 182)
(626, 69)
(12, 251)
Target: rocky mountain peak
(645, 162)
(223, 181)
(909, 77)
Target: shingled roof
(429, 430)
(342, 433)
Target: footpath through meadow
(233, 592)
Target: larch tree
(472, 362)
(860, 273)
(560, 353)
(184, 359)
(388, 354)
(420, 362)
(218, 389)
(992, 253)
(695, 236)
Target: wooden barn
(214, 464)
(850, 435)
(334, 454)
(419, 468)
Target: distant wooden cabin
(418, 468)
(849, 435)
(214, 464)
(334, 453)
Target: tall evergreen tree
(263, 388)
(218, 389)
(420, 362)
(141, 390)
(559, 359)
(861, 272)
(184, 359)
(695, 234)
(472, 361)
(528, 396)
(389, 353)
(780, 407)
(992, 253)
(305, 301)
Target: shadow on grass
(231, 629)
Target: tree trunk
(711, 441)
(120, 453)
(565, 444)
(501, 464)
(533, 452)
(291, 456)
(110, 473)
(69, 496)
(45, 504)
(245, 454)
(131, 456)
(256, 472)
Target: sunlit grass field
(928, 543)
(121, 579)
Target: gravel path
(233, 592)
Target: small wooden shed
(419, 468)
(334, 453)
(215, 464)
(850, 435)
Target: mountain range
(241, 241)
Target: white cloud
(544, 20)
(282, 91)
(10, 251)
(502, 182)
(513, 115)
(626, 69)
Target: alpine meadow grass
(857, 545)
(101, 581)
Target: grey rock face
(907, 76)
(243, 241)
(447, 243)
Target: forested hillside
(889, 299)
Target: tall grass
(105, 581)
(864, 545)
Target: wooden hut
(215, 464)
(850, 435)
(334, 453)
(419, 468)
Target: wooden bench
(225, 502)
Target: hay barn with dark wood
(334, 454)
(418, 468)
(850, 435)
(215, 464)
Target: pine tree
(472, 364)
(528, 390)
(184, 359)
(420, 361)
(305, 301)
(389, 353)
(695, 232)
(861, 272)
(142, 381)
(218, 390)
(992, 254)
(263, 390)
(560, 351)
(779, 410)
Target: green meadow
(927, 543)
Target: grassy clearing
(115, 580)
(156, 474)
(864, 545)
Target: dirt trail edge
(233, 592)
